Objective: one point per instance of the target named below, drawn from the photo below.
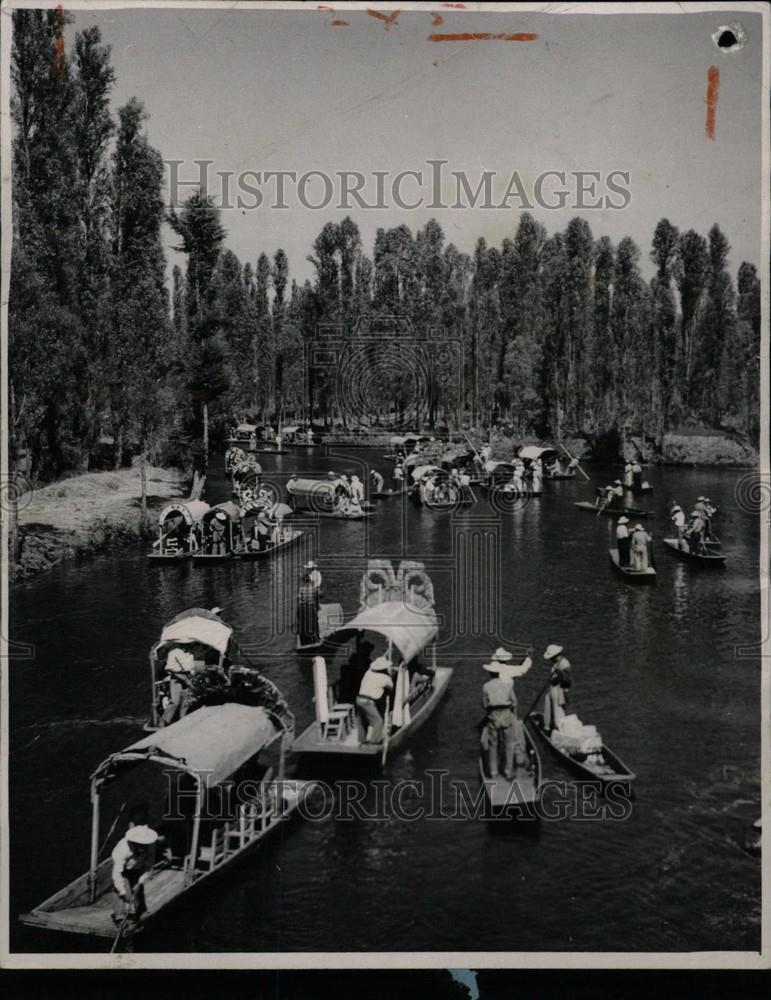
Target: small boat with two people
(633, 558)
(179, 531)
(509, 763)
(385, 691)
(207, 799)
(696, 542)
(219, 533)
(263, 532)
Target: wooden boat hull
(164, 558)
(612, 511)
(717, 559)
(387, 494)
(520, 796)
(70, 909)
(310, 744)
(251, 555)
(628, 574)
(620, 771)
(199, 558)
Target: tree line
(554, 335)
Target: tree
(715, 330)
(690, 274)
(663, 255)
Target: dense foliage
(550, 335)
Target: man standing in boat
(560, 681)
(132, 861)
(641, 549)
(377, 481)
(308, 612)
(678, 519)
(374, 685)
(623, 541)
(502, 725)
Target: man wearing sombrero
(560, 680)
(502, 725)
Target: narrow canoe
(519, 795)
(632, 575)
(211, 557)
(612, 511)
(311, 742)
(617, 769)
(708, 559)
(252, 554)
(166, 557)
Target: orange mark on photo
(388, 18)
(483, 36)
(713, 85)
(438, 19)
(457, 6)
(57, 65)
(333, 23)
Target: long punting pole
(577, 463)
(153, 698)
(94, 841)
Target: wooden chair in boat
(341, 721)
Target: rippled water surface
(656, 669)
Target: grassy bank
(80, 516)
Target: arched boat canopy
(407, 627)
(191, 510)
(210, 743)
(247, 429)
(290, 430)
(533, 451)
(423, 470)
(198, 625)
(231, 510)
(321, 488)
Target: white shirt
(679, 519)
(123, 858)
(374, 683)
(622, 531)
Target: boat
(550, 457)
(329, 618)
(629, 574)
(611, 511)
(708, 557)
(406, 443)
(220, 670)
(519, 796)
(499, 481)
(387, 494)
(396, 618)
(299, 437)
(231, 514)
(178, 531)
(326, 498)
(244, 433)
(186, 773)
(612, 770)
(446, 495)
(288, 537)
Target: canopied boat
(553, 467)
(220, 532)
(252, 547)
(179, 529)
(325, 497)
(433, 487)
(407, 444)
(246, 434)
(396, 620)
(212, 669)
(499, 478)
(208, 797)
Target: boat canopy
(407, 627)
(198, 625)
(231, 510)
(423, 470)
(533, 451)
(321, 488)
(191, 510)
(499, 467)
(246, 428)
(210, 743)
(290, 430)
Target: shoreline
(78, 517)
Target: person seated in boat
(180, 668)
(678, 520)
(560, 681)
(352, 672)
(628, 478)
(636, 474)
(377, 481)
(421, 678)
(133, 858)
(695, 533)
(623, 541)
(217, 533)
(502, 729)
(308, 612)
(375, 685)
(554, 469)
(641, 549)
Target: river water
(669, 674)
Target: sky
(268, 90)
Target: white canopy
(191, 510)
(199, 627)
(246, 428)
(422, 470)
(289, 430)
(533, 451)
(407, 627)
